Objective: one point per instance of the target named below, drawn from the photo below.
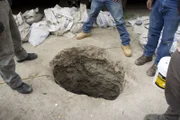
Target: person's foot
(24, 89)
(142, 60)
(154, 117)
(31, 56)
(152, 70)
(82, 35)
(127, 50)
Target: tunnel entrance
(87, 70)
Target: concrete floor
(51, 102)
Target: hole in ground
(88, 70)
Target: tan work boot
(142, 60)
(152, 70)
(127, 50)
(82, 35)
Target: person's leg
(155, 28)
(116, 11)
(20, 52)
(171, 114)
(96, 7)
(172, 90)
(171, 23)
(7, 64)
(115, 8)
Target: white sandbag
(175, 43)
(19, 19)
(50, 17)
(59, 20)
(23, 27)
(32, 16)
(109, 19)
(76, 28)
(143, 39)
(101, 20)
(39, 33)
(105, 19)
(84, 13)
(132, 22)
(75, 14)
(57, 6)
(30, 13)
(24, 30)
(69, 35)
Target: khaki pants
(10, 45)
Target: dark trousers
(10, 45)
(172, 90)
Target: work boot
(152, 70)
(82, 35)
(142, 60)
(127, 50)
(31, 56)
(155, 117)
(24, 89)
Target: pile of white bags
(57, 21)
(142, 29)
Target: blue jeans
(166, 18)
(116, 11)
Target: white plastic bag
(175, 43)
(109, 19)
(76, 28)
(30, 13)
(143, 39)
(101, 20)
(39, 33)
(105, 19)
(84, 13)
(23, 27)
(59, 20)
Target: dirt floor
(51, 102)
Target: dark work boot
(24, 89)
(31, 56)
(155, 117)
(142, 60)
(152, 70)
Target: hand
(149, 4)
(116, 0)
(1, 27)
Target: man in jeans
(172, 91)
(10, 44)
(164, 16)
(115, 8)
